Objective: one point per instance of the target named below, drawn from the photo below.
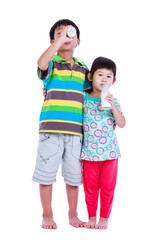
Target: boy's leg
(46, 200)
(49, 157)
(107, 186)
(72, 195)
(72, 173)
(91, 189)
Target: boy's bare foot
(49, 223)
(76, 222)
(91, 222)
(102, 224)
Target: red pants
(99, 176)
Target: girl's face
(101, 77)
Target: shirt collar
(59, 59)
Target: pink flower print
(96, 103)
(98, 117)
(110, 134)
(100, 151)
(86, 120)
(98, 133)
(100, 108)
(90, 139)
(86, 128)
(109, 147)
(105, 129)
(110, 121)
(90, 105)
(93, 112)
(103, 140)
(85, 109)
(118, 151)
(88, 153)
(115, 141)
(94, 145)
(86, 144)
(95, 158)
(112, 154)
(93, 125)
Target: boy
(60, 129)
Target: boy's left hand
(111, 100)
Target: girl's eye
(100, 74)
(108, 76)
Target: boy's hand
(114, 126)
(44, 92)
(61, 36)
(111, 100)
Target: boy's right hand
(60, 36)
(44, 92)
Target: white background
(128, 33)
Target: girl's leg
(107, 186)
(91, 189)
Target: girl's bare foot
(91, 223)
(102, 224)
(49, 223)
(76, 222)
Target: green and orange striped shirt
(62, 107)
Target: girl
(100, 151)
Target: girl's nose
(104, 80)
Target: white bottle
(71, 32)
(105, 91)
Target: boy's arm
(118, 116)
(60, 39)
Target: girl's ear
(90, 77)
(51, 41)
(114, 81)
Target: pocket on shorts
(76, 146)
(48, 146)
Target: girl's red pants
(99, 177)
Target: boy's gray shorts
(56, 148)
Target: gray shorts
(55, 149)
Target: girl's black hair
(102, 62)
(64, 22)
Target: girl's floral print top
(100, 141)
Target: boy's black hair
(102, 62)
(64, 22)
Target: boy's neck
(67, 55)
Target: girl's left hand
(111, 100)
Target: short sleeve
(45, 75)
(87, 85)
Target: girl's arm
(119, 118)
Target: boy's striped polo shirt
(62, 107)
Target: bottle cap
(71, 32)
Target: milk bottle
(105, 91)
(71, 32)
